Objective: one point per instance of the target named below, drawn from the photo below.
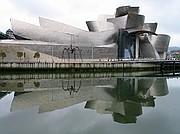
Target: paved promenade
(98, 65)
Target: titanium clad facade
(98, 26)
(150, 26)
(124, 10)
(33, 32)
(123, 36)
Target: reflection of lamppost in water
(52, 52)
(71, 87)
(71, 49)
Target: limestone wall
(28, 55)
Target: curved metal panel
(129, 21)
(34, 32)
(139, 31)
(150, 27)
(160, 42)
(124, 10)
(58, 26)
(162, 55)
(121, 11)
(99, 26)
(61, 27)
(81, 39)
(134, 10)
(147, 50)
(135, 21)
(120, 22)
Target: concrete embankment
(124, 65)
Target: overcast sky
(75, 12)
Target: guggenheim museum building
(124, 35)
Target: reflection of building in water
(128, 98)
(121, 97)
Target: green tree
(37, 55)
(19, 55)
(20, 85)
(2, 55)
(3, 84)
(36, 84)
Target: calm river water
(89, 104)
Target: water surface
(34, 104)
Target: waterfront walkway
(92, 65)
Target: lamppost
(92, 52)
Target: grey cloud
(35, 7)
(167, 10)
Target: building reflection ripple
(122, 97)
